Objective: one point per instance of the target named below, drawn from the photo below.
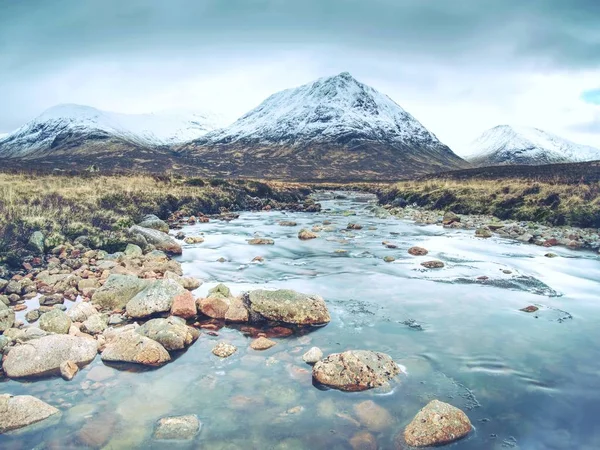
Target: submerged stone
(18, 411)
(177, 427)
(134, 348)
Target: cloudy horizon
(458, 68)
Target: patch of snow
(506, 144)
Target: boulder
(224, 350)
(95, 324)
(184, 305)
(43, 356)
(160, 240)
(286, 306)
(312, 356)
(450, 217)
(305, 235)
(81, 311)
(118, 290)
(153, 222)
(355, 370)
(55, 321)
(262, 343)
(432, 264)
(172, 333)
(133, 251)
(156, 298)
(18, 411)
(438, 423)
(36, 242)
(177, 427)
(7, 317)
(132, 347)
(417, 251)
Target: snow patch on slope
(506, 144)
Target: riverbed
(526, 380)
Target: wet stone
(438, 423)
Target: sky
(460, 67)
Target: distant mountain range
(334, 129)
(508, 145)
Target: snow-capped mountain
(504, 144)
(330, 128)
(71, 126)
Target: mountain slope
(507, 145)
(75, 129)
(333, 128)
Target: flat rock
(157, 297)
(43, 356)
(438, 423)
(162, 241)
(18, 411)
(286, 306)
(134, 348)
(118, 290)
(172, 333)
(155, 223)
(177, 427)
(355, 370)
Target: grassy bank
(103, 207)
(514, 199)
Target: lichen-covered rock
(132, 347)
(177, 427)
(157, 297)
(36, 242)
(483, 232)
(172, 333)
(155, 223)
(355, 370)
(81, 311)
(55, 321)
(7, 317)
(118, 290)
(438, 423)
(95, 324)
(18, 411)
(133, 251)
(224, 350)
(286, 306)
(160, 240)
(43, 356)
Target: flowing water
(526, 381)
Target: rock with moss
(133, 251)
(155, 223)
(483, 232)
(172, 333)
(36, 242)
(117, 291)
(55, 321)
(156, 298)
(286, 306)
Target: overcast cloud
(458, 66)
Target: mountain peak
(510, 144)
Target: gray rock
(312, 356)
(95, 324)
(25, 334)
(36, 242)
(156, 298)
(177, 427)
(13, 287)
(50, 300)
(22, 410)
(153, 222)
(7, 317)
(287, 306)
(188, 283)
(4, 299)
(81, 311)
(43, 356)
(133, 250)
(134, 348)
(4, 342)
(172, 333)
(32, 315)
(118, 290)
(55, 321)
(160, 240)
(355, 370)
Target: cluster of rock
(488, 226)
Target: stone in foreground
(355, 370)
(135, 348)
(287, 306)
(224, 350)
(177, 427)
(22, 410)
(438, 423)
(44, 356)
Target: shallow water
(526, 381)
